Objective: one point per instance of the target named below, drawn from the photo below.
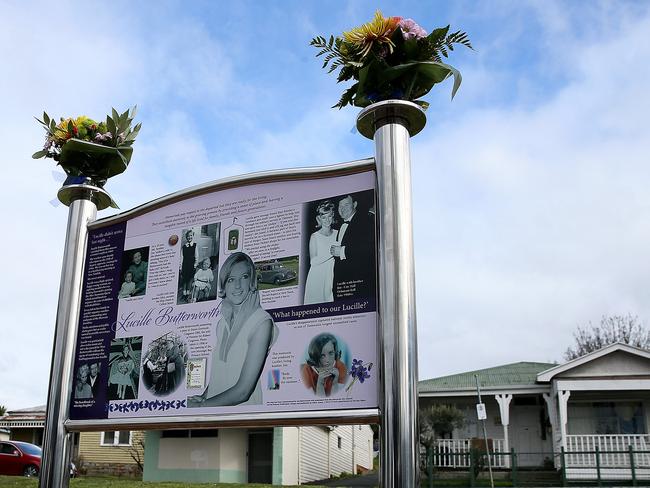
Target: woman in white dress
(318, 288)
(245, 333)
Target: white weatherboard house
(280, 455)
(598, 401)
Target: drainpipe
(354, 465)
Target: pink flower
(410, 30)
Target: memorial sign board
(251, 296)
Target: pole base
(83, 188)
(408, 114)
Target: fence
(598, 467)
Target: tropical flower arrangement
(84, 147)
(390, 58)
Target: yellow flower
(378, 30)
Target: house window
(619, 418)
(193, 434)
(606, 418)
(116, 438)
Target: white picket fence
(613, 456)
(451, 453)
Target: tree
(616, 328)
(136, 451)
(439, 420)
(3, 410)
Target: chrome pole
(83, 199)
(391, 124)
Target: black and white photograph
(124, 368)
(163, 365)
(82, 388)
(279, 272)
(135, 263)
(199, 256)
(245, 333)
(233, 235)
(341, 247)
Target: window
(619, 418)
(606, 418)
(116, 438)
(8, 449)
(185, 434)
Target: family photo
(341, 248)
(163, 366)
(199, 255)
(124, 368)
(244, 335)
(134, 272)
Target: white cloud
(530, 212)
(533, 220)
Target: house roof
(26, 417)
(520, 374)
(548, 374)
(27, 411)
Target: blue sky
(530, 187)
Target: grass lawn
(106, 482)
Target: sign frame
(252, 419)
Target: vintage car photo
(278, 272)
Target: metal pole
(487, 447)
(84, 200)
(391, 124)
(632, 466)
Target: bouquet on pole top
(390, 58)
(84, 147)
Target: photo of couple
(87, 381)
(341, 248)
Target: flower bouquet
(84, 147)
(390, 58)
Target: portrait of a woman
(82, 389)
(320, 278)
(244, 335)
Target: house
(598, 401)
(25, 425)
(280, 455)
(115, 453)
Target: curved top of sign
(340, 169)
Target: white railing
(613, 450)
(453, 453)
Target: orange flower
(378, 31)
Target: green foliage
(438, 420)
(84, 147)
(3, 410)
(405, 66)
